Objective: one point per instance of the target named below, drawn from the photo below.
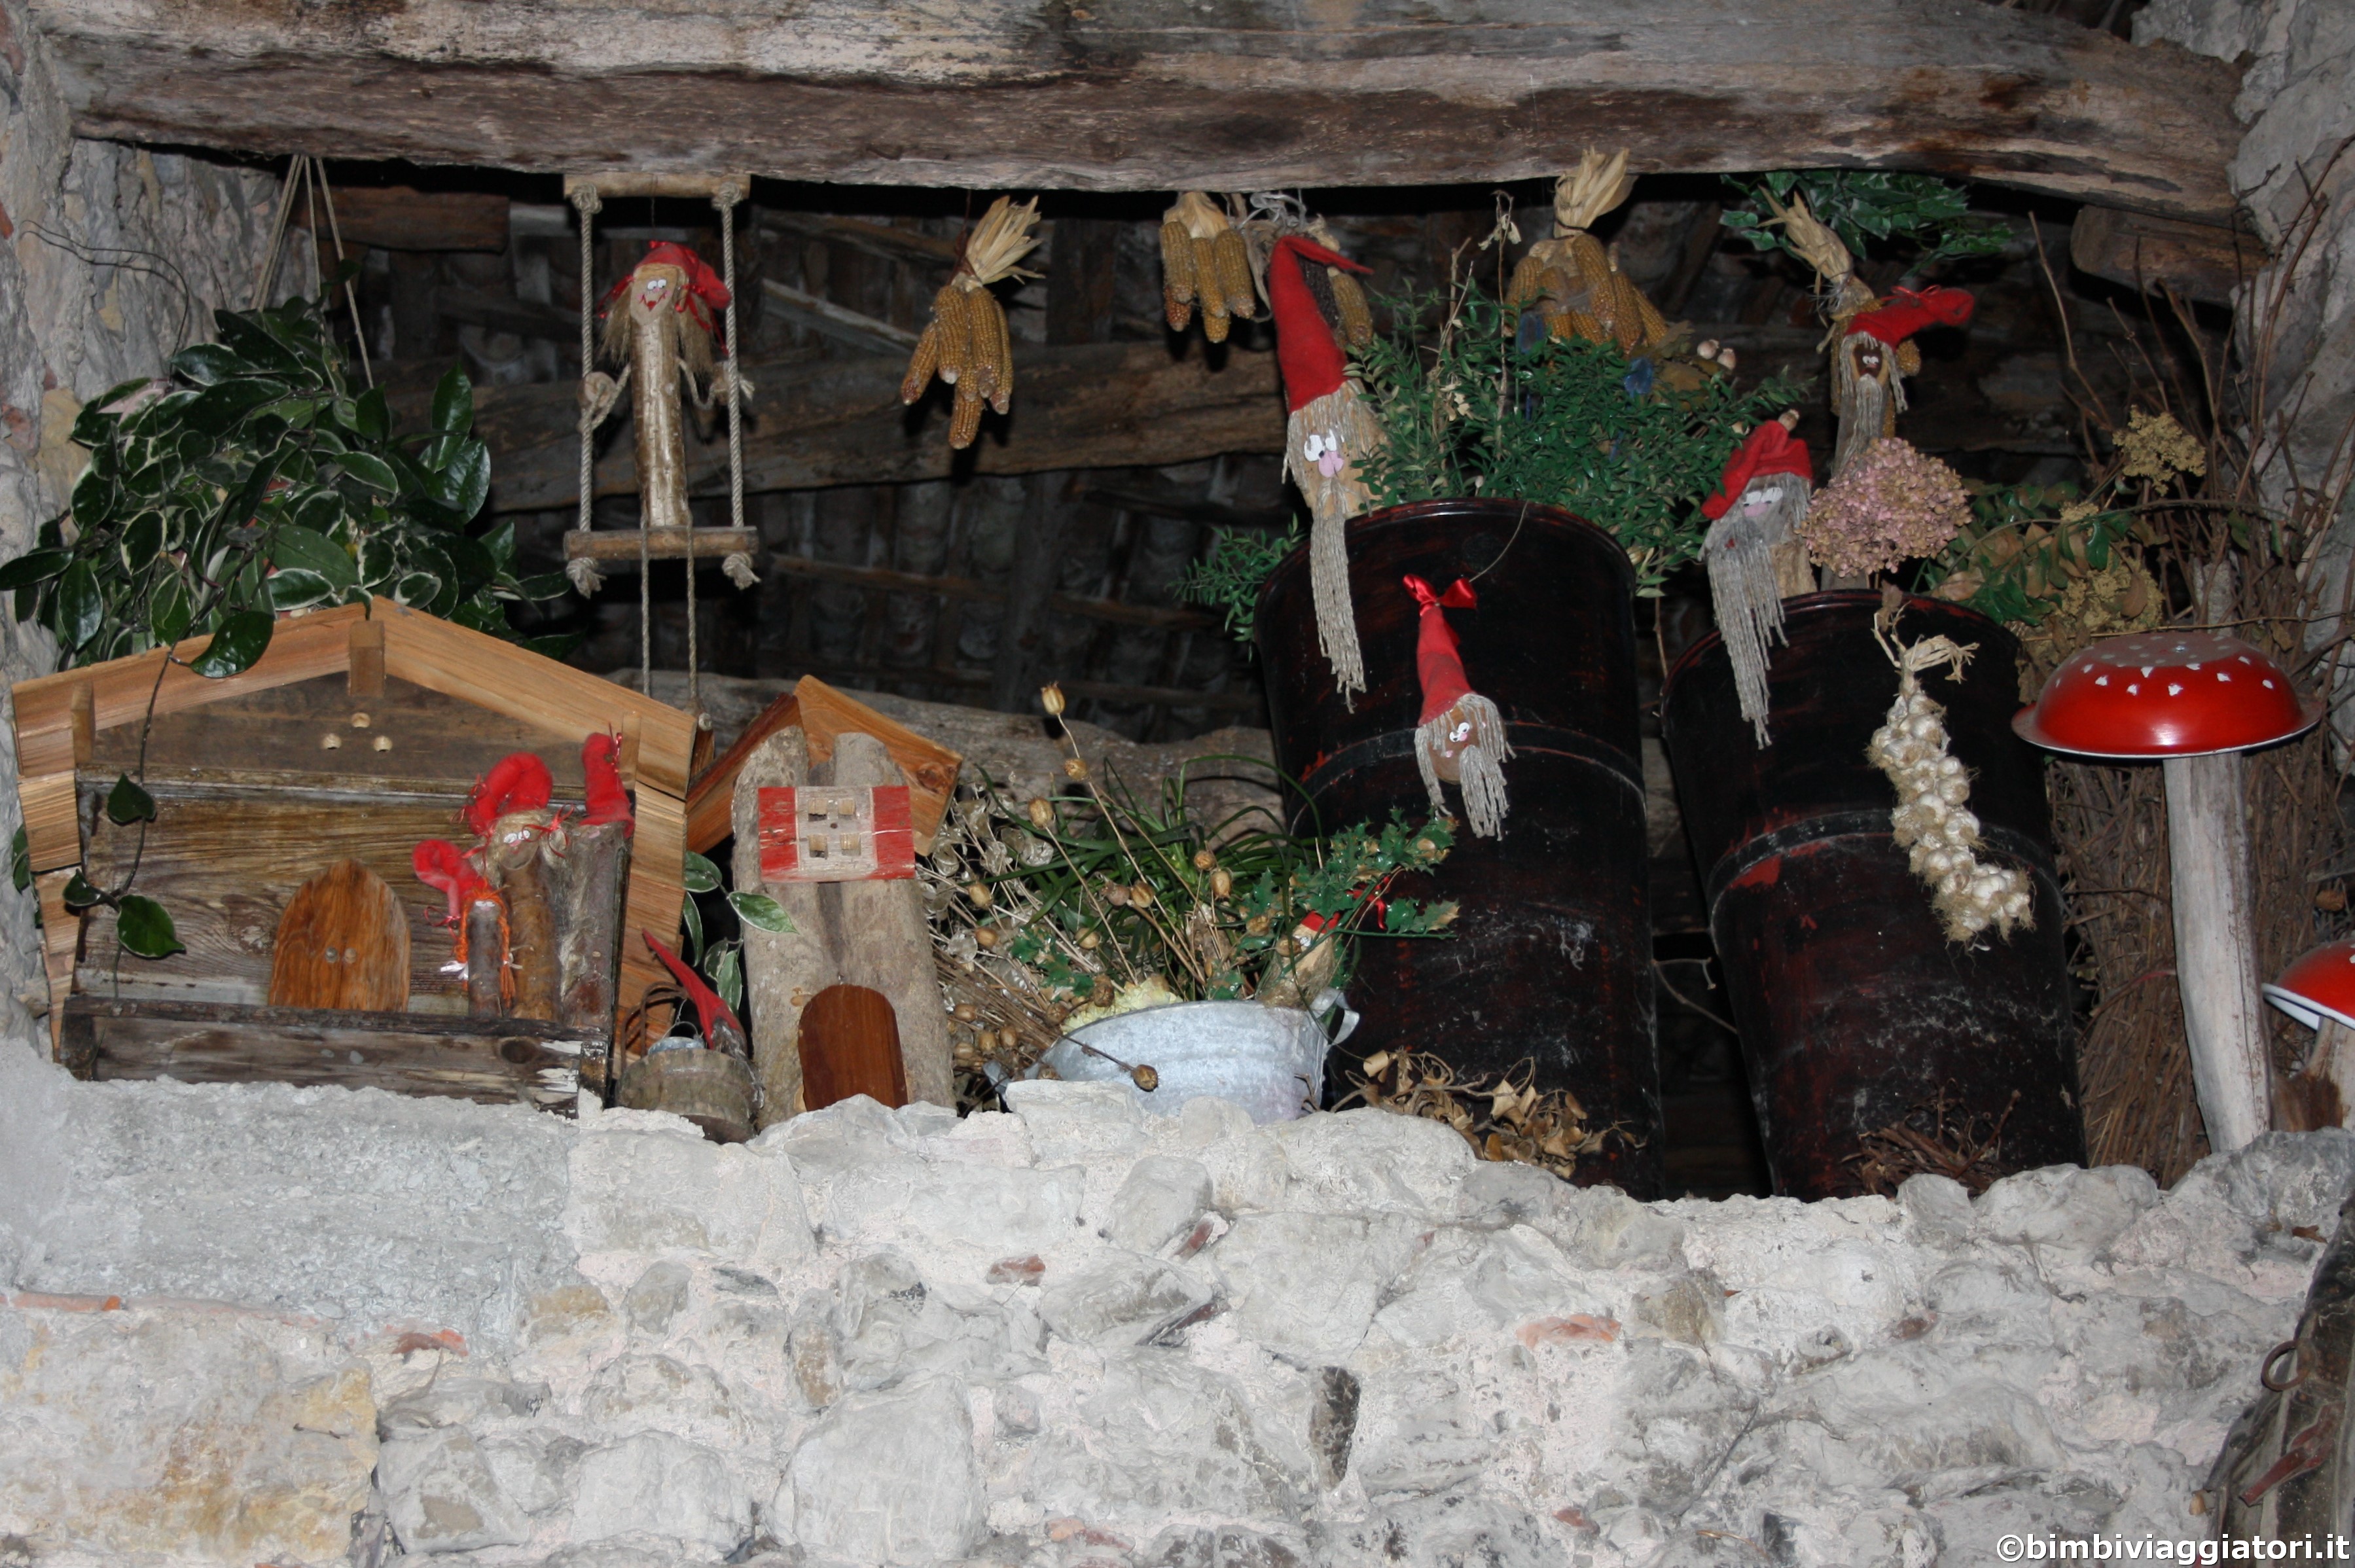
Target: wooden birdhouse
(839, 834)
(291, 802)
(822, 713)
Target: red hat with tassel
(1769, 449)
(1911, 313)
(1459, 734)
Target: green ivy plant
(1464, 410)
(255, 479)
(1870, 209)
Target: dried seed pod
(1050, 698)
(1357, 315)
(1222, 882)
(1144, 1077)
(921, 364)
(1141, 896)
(966, 1012)
(1075, 769)
(986, 935)
(1178, 282)
(1204, 860)
(1103, 992)
(1231, 264)
(1041, 813)
(1089, 942)
(978, 893)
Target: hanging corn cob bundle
(966, 343)
(1329, 432)
(1205, 261)
(1571, 280)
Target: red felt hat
(1769, 449)
(705, 290)
(1310, 356)
(1934, 306)
(1436, 661)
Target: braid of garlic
(1933, 821)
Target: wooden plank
(840, 421)
(883, 239)
(617, 549)
(823, 713)
(657, 888)
(1152, 95)
(505, 312)
(364, 678)
(1112, 610)
(401, 218)
(840, 323)
(60, 945)
(2200, 260)
(508, 679)
(494, 1061)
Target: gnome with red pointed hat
(1459, 738)
(1874, 355)
(1330, 432)
(1755, 555)
(660, 327)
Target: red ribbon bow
(1459, 594)
(1436, 662)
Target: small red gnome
(1459, 737)
(1874, 355)
(1758, 503)
(1330, 430)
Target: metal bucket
(1855, 1010)
(1269, 1061)
(1551, 958)
(711, 1088)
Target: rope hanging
(309, 175)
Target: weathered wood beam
(1157, 617)
(839, 322)
(398, 218)
(2198, 260)
(812, 423)
(1156, 94)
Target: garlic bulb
(1932, 821)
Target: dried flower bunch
(2157, 448)
(966, 343)
(1518, 1124)
(1893, 506)
(1050, 914)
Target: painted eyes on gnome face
(1756, 501)
(1866, 356)
(651, 292)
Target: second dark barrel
(1857, 1014)
(1551, 959)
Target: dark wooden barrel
(1551, 958)
(1856, 1012)
(2286, 1471)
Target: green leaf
(371, 471)
(219, 407)
(168, 610)
(726, 968)
(208, 363)
(298, 413)
(94, 424)
(761, 910)
(145, 928)
(453, 403)
(240, 507)
(419, 589)
(702, 876)
(34, 566)
(293, 546)
(298, 588)
(691, 915)
(539, 589)
(126, 803)
(242, 638)
(81, 606)
(465, 483)
(20, 861)
(94, 499)
(79, 894)
(474, 566)
(372, 417)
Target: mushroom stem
(2215, 947)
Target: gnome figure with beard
(1874, 355)
(1330, 432)
(1460, 736)
(1755, 555)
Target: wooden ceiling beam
(1163, 94)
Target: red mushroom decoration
(2195, 700)
(2318, 991)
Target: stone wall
(111, 260)
(267, 1324)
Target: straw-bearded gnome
(1876, 353)
(1330, 432)
(1755, 555)
(1459, 736)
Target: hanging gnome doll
(659, 328)
(1874, 354)
(1755, 557)
(1459, 737)
(1330, 432)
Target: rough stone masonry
(263, 1325)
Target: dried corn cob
(967, 344)
(1176, 269)
(1230, 265)
(1357, 315)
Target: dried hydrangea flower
(2158, 448)
(1892, 505)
